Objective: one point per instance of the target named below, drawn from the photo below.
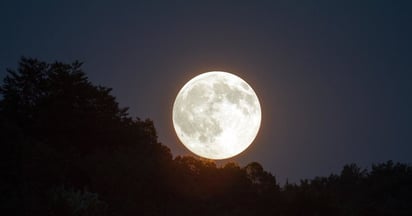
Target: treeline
(69, 149)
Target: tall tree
(58, 129)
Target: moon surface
(216, 115)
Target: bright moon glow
(216, 115)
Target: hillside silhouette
(68, 148)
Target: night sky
(334, 79)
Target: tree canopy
(68, 148)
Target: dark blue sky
(334, 79)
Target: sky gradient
(334, 79)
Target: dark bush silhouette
(69, 149)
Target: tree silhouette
(60, 128)
(69, 149)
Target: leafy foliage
(75, 202)
(69, 149)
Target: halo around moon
(216, 115)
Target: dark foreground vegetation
(69, 149)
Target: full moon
(216, 115)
